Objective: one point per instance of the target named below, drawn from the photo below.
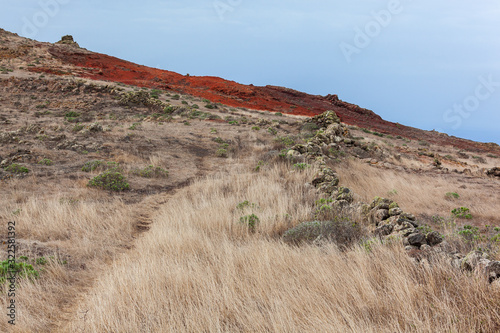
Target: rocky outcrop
(494, 172)
(68, 40)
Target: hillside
(148, 201)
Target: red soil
(277, 99)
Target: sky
(422, 63)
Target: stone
(384, 230)
(416, 239)
(493, 271)
(471, 260)
(433, 238)
(395, 211)
(381, 215)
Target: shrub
(250, 220)
(462, 212)
(176, 97)
(92, 165)
(134, 126)
(255, 128)
(272, 131)
(285, 140)
(221, 152)
(17, 168)
(452, 195)
(469, 232)
(341, 230)
(151, 172)
(23, 270)
(279, 114)
(46, 161)
(301, 166)
(211, 106)
(245, 204)
(110, 180)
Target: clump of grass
(462, 212)
(17, 168)
(23, 270)
(151, 172)
(452, 195)
(46, 161)
(110, 180)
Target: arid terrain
(149, 201)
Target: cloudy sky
(427, 64)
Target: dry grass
(198, 270)
(424, 193)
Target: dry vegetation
(198, 270)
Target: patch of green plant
(213, 131)
(17, 168)
(46, 161)
(93, 165)
(246, 204)
(285, 140)
(279, 114)
(260, 164)
(185, 102)
(221, 152)
(492, 156)
(71, 115)
(176, 97)
(378, 134)
(462, 212)
(211, 106)
(272, 131)
(77, 128)
(469, 232)
(341, 230)
(186, 123)
(452, 195)
(250, 220)
(110, 180)
(134, 126)
(310, 127)
(151, 172)
(23, 270)
(219, 140)
(301, 166)
(195, 106)
(424, 143)
(366, 131)
(233, 122)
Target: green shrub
(151, 172)
(211, 106)
(77, 128)
(341, 231)
(285, 140)
(452, 195)
(301, 166)
(92, 165)
(23, 270)
(134, 126)
(17, 168)
(462, 212)
(110, 180)
(245, 204)
(71, 115)
(176, 97)
(278, 114)
(260, 164)
(255, 128)
(469, 232)
(46, 161)
(272, 131)
(221, 152)
(250, 220)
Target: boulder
(494, 172)
(471, 260)
(493, 270)
(433, 238)
(384, 230)
(395, 211)
(416, 239)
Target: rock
(408, 216)
(416, 239)
(68, 40)
(384, 230)
(344, 193)
(292, 153)
(409, 248)
(395, 211)
(495, 172)
(471, 260)
(381, 215)
(381, 203)
(493, 270)
(433, 238)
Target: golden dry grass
(198, 270)
(424, 193)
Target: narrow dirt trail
(144, 213)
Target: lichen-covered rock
(325, 175)
(344, 193)
(495, 172)
(384, 230)
(381, 215)
(416, 239)
(395, 211)
(68, 40)
(493, 270)
(325, 119)
(433, 238)
(472, 259)
(381, 203)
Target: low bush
(110, 180)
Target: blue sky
(427, 64)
